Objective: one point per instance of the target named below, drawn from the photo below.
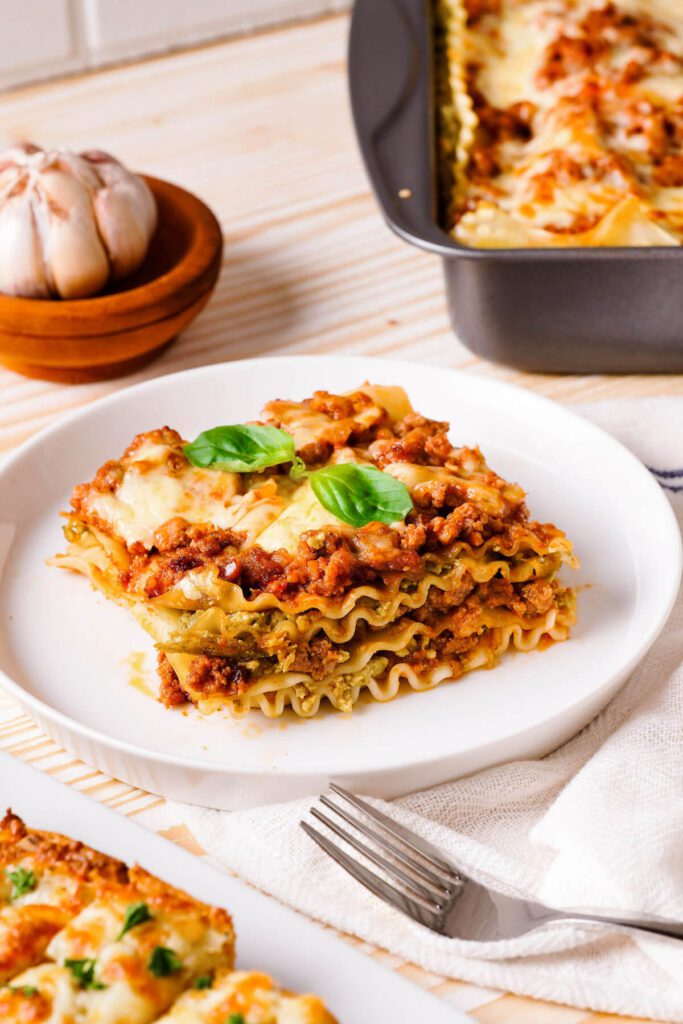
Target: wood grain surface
(260, 129)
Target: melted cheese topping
(251, 994)
(575, 127)
(150, 494)
(304, 512)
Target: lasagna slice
(260, 593)
(122, 947)
(561, 122)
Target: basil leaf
(241, 448)
(235, 1018)
(24, 990)
(163, 962)
(84, 973)
(361, 494)
(203, 981)
(136, 913)
(23, 881)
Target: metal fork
(414, 878)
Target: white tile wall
(38, 37)
(44, 38)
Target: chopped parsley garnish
(136, 913)
(23, 881)
(235, 1018)
(84, 973)
(163, 962)
(203, 981)
(24, 990)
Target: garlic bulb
(69, 222)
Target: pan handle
(390, 79)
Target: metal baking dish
(546, 310)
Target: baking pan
(609, 310)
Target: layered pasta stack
(561, 121)
(258, 596)
(84, 939)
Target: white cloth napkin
(598, 824)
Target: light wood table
(260, 129)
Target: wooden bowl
(78, 340)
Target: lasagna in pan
(86, 940)
(339, 546)
(561, 121)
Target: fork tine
(378, 886)
(417, 891)
(424, 872)
(416, 843)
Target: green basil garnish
(203, 981)
(24, 990)
(354, 493)
(163, 962)
(84, 973)
(235, 1018)
(136, 913)
(23, 881)
(361, 494)
(242, 448)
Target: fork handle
(672, 929)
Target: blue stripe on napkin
(668, 474)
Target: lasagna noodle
(274, 694)
(572, 133)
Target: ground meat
(414, 536)
(568, 55)
(170, 691)
(353, 419)
(209, 676)
(417, 439)
(441, 601)
(477, 9)
(467, 522)
(502, 594)
(316, 452)
(337, 407)
(328, 562)
(447, 645)
(535, 598)
(602, 30)
(539, 596)
(483, 164)
(501, 124)
(378, 547)
(669, 173)
(560, 170)
(331, 576)
(438, 494)
(178, 547)
(259, 568)
(318, 658)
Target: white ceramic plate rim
(46, 803)
(368, 367)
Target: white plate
(65, 651)
(271, 938)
